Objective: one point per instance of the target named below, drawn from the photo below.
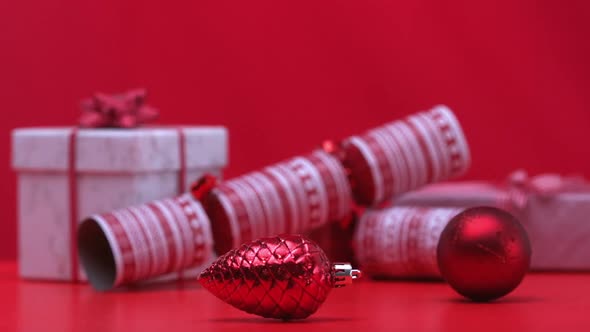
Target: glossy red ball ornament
(284, 277)
(484, 253)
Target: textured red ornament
(484, 253)
(284, 277)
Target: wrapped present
(65, 174)
(401, 242)
(140, 243)
(403, 155)
(552, 208)
(294, 196)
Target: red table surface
(543, 302)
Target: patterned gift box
(554, 209)
(65, 174)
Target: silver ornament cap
(344, 274)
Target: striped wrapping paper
(406, 154)
(400, 242)
(293, 196)
(144, 242)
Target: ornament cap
(344, 274)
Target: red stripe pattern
(404, 155)
(157, 238)
(293, 196)
(401, 242)
(73, 202)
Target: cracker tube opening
(138, 243)
(96, 255)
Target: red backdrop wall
(283, 75)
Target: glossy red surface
(286, 277)
(484, 253)
(544, 302)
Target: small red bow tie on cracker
(126, 110)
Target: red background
(283, 75)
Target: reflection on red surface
(544, 302)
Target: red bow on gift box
(545, 185)
(125, 110)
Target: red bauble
(285, 277)
(484, 253)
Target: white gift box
(107, 169)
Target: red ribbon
(203, 186)
(127, 110)
(73, 190)
(520, 186)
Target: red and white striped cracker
(155, 240)
(122, 252)
(267, 217)
(336, 182)
(417, 162)
(423, 149)
(364, 171)
(401, 242)
(287, 197)
(377, 167)
(138, 244)
(393, 154)
(227, 210)
(330, 184)
(294, 185)
(173, 234)
(454, 138)
(293, 196)
(439, 135)
(254, 212)
(402, 133)
(394, 141)
(383, 166)
(148, 241)
(316, 197)
(406, 154)
(364, 244)
(252, 206)
(432, 139)
(201, 229)
(185, 231)
(164, 240)
(272, 202)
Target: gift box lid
(145, 149)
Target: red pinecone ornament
(284, 277)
